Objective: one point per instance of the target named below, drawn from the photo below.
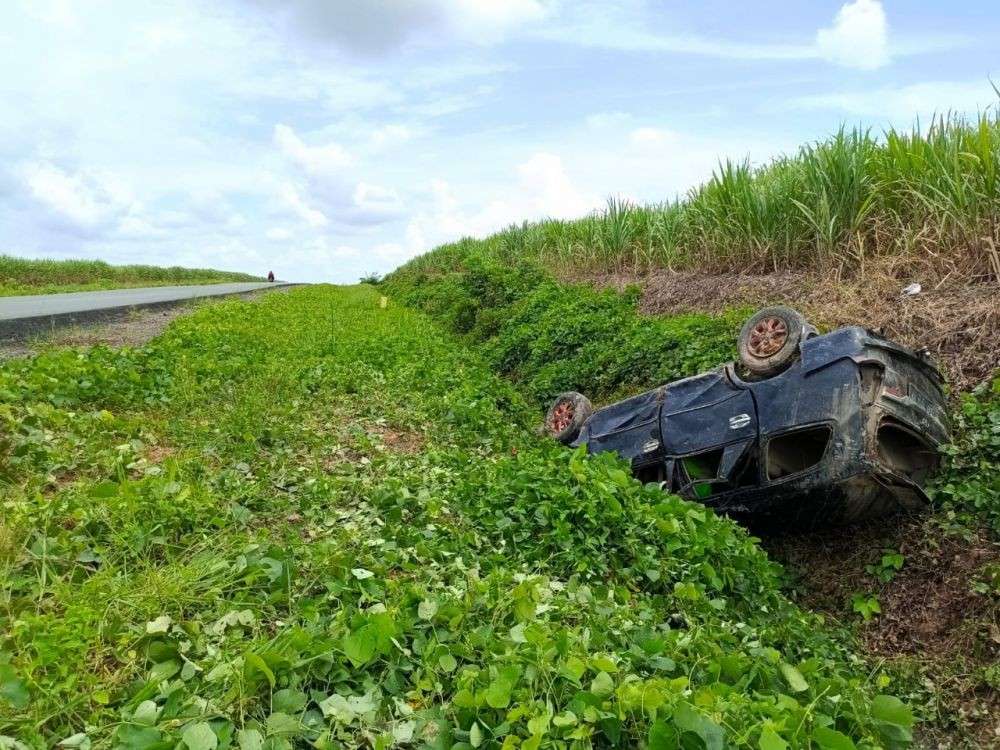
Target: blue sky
(324, 139)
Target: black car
(805, 428)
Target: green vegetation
(970, 487)
(22, 276)
(318, 520)
(842, 202)
(549, 337)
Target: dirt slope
(958, 321)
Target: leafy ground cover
(23, 276)
(549, 337)
(319, 520)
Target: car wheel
(769, 341)
(567, 415)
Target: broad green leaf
(447, 662)
(254, 663)
(770, 740)
(688, 719)
(164, 670)
(250, 739)
(892, 710)
(475, 735)
(281, 724)
(602, 685)
(199, 736)
(288, 701)
(574, 667)
(79, 740)
(360, 645)
(134, 737)
(427, 609)
(336, 706)
(12, 688)
(831, 739)
(604, 663)
(403, 731)
(499, 690)
(146, 713)
(160, 625)
(565, 719)
(794, 678)
(662, 736)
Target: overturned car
(805, 429)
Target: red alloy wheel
(767, 337)
(562, 415)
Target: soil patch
(958, 321)
(400, 440)
(931, 614)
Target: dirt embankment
(937, 612)
(958, 321)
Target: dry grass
(955, 318)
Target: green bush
(549, 337)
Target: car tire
(567, 415)
(769, 341)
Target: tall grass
(25, 276)
(932, 192)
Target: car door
(709, 429)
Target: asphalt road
(21, 317)
(38, 305)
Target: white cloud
(82, 201)
(278, 234)
(376, 200)
(903, 105)
(487, 20)
(298, 206)
(607, 120)
(328, 159)
(625, 27)
(378, 28)
(656, 138)
(543, 190)
(859, 37)
(549, 191)
(390, 135)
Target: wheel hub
(767, 337)
(562, 415)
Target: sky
(329, 139)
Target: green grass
(858, 196)
(20, 276)
(320, 521)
